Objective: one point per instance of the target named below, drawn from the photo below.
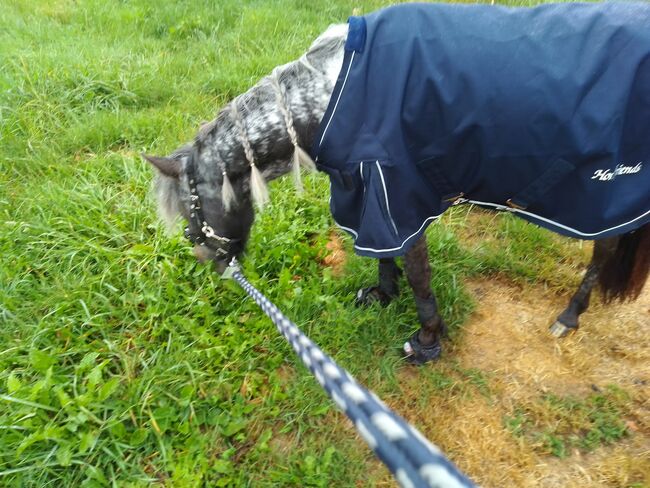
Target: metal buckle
(208, 231)
(231, 269)
(456, 200)
(453, 199)
(511, 204)
(211, 234)
(220, 252)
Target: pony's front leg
(424, 345)
(388, 287)
(567, 321)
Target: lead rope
(411, 458)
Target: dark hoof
(370, 295)
(558, 329)
(418, 354)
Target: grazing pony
(543, 112)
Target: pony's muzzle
(204, 255)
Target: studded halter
(199, 231)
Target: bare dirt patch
(507, 341)
(335, 257)
(508, 335)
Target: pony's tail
(624, 273)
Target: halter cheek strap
(199, 231)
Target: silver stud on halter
(221, 245)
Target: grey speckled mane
(308, 82)
(214, 181)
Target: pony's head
(214, 182)
(193, 191)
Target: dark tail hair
(624, 273)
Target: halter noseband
(199, 231)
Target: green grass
(559, 423)
(123, 362)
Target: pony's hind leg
(567, 321)
(424, 345)
(388, 287)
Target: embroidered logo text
(609, 174)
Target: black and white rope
(412, 459)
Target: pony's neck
(307, 84)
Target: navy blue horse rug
(541, 111)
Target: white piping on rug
(337, 100)
(383, 183)
(497, 207)
(354, 233)
(557, 224)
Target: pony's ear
(168, 166)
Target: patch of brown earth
(508, 335)
(335, 257)
(507, 340)
(282, 444)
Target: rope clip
(232, 268)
